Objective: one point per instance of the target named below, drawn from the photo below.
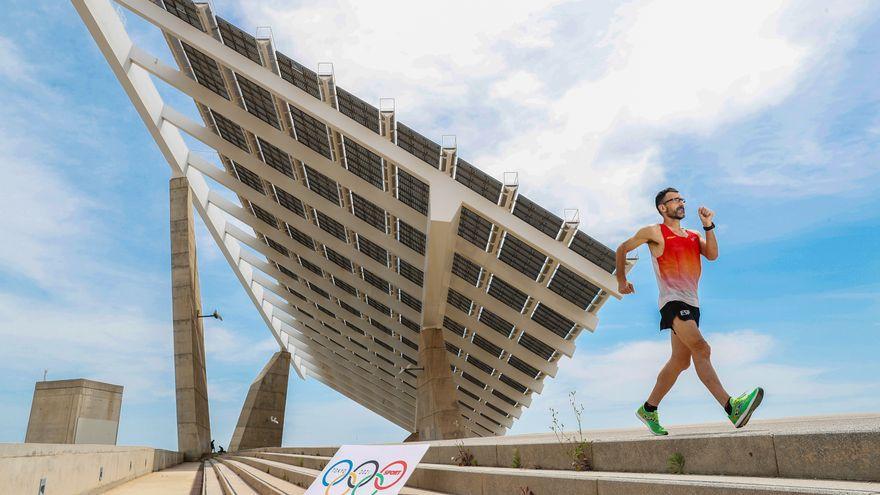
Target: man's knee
(700, 349)
(680, 363)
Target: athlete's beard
(678, 213)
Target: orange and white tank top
(678, 268)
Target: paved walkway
(178, 479)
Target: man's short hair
(659, 198)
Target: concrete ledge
(71, 469)
(844, 447)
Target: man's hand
(625, 287)
(706, 216)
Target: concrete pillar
(74, 411)
(437, 414)
(261, 422)
(193, 421)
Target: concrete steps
(845, 447)
(496, 480)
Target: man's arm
(644, 235)
(709, 245)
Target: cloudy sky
(766, 111)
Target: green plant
(576, 445)
(465, 457)
(675, 463)
(517, 460)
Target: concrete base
(74, 411)
(437, 414)
(261, 423)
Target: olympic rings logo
(356, 477)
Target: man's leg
(690, 335)
(678, 362)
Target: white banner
(368, 470)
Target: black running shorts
(682, 310)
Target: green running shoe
(743, 406)
(651, 420)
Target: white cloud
(635, 74)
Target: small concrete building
(74, 411)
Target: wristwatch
(707, 229)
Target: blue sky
(767, 113)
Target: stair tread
(237, 484)
(682, 479)
(277, 483)
(211, 484)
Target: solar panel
(478, 181)
(459, 301)
(310, 131)
(410, 324)
(285, 271)
(497, 410)
(474, 228)
(323, 185)
(239, 40)
(419, 146)
(344, 286)
(372, 250)
(381, 327)
(289, 201)
(230, 131)
(504, 398)
(351, 309)
(376, 281)
(311, 267)
(331, 226)
(368, 212)
(411, 237)
(464, 391)
(300, 237)
(248, 178)
(508, 294)
(485, 368)
(496, 322)
(486, 345)
(264, 215)
(298, 75)
(409, 343)
(453, 326)
(364, 163)
(338, 259)
(206, 70)
(412, 192)
(521, 256)
(410, 301)
(466, 269)
(277, 247)
(473, 379)
(593, 250)
(573, 287)
(536, 216)
(323, 294)
(358, 110)
(275, 158)
(328, 313)
(521, 365)
(410, 272)
(257, 101)
(297, 294)
(385, 310)
(553, 321)
(536, 346)
(185, 10)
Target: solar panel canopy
(327, 208)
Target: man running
(675, 253)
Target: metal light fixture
(214, 315)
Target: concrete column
(74, 411)
(261, 423)
(437, 414)
(193, 421)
